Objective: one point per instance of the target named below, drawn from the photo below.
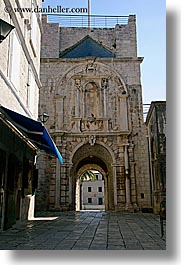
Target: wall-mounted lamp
(5, 29)
(43, 117)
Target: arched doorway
(94, 157)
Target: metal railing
(83, 20)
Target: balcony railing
(86, 21)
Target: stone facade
(96, 116)
(19, 91)
(156, 128)
(20, 59)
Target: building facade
(156, 128)
(19, 91)
(20, 59)
(91, 89)
(93, 193)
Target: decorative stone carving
(91, 125)
(92, 117)
(77, 83)
(61, 85)
(92, 140)
(91, 68)
(73, 111)
(104, 83)
(75, 125)
(120, 85)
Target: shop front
(20, 140)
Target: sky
(151, 36)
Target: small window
(89, 189)
(100, 201)
(100, 189)
(89, 200)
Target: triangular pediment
(87, 47)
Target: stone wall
(156, 129)
(19, 91)
(96, 116)
(121, 39)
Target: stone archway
(94, 157)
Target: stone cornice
(85, 134)
(81, 60)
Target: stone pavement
(86, 230)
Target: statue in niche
(91, 100)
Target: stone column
(115, 185)
(126, 162)
(105, 103)
(60, 112)
(42, 192)
(81, 102)
(78, 195)
(57, 196)
(123, 116)
(127, 181)
(106, 192)
(69, 165)
(77, 105)
(84, 104)
(77, 97)
(100, 104)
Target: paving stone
(98, 246)
(68, 232)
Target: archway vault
(90, 167)
(95, 157)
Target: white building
(19, 92)
(20, 58)
(93, 193)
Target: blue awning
(35, 131)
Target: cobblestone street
(86, 230)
